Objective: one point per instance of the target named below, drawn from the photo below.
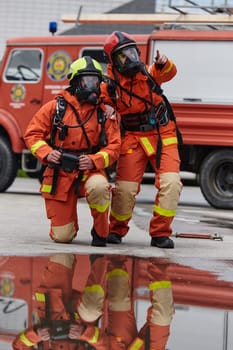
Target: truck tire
(8, 165)
(216, 179)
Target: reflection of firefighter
(122, 322)
(120, 331)
(76, 320)
(65, 314)
(118, 326)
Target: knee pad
(124, 197)
(64, 233)
(118, 298)
(170, 188)
(98, 189)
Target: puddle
(115, 302)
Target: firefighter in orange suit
(67, 317)
(73, 138)
(150, 134)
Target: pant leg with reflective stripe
(130, 171)
(90, 306)
(98, 198)
(168, 184)
(121, 318)
(159, 315)
(63, 217)
(56, 281)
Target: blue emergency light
(52, 27)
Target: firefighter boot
(97, 241)
(114, 238)
(162, 242)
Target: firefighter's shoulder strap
(156, 88)
(60, 111)
(61, 105)
(101, 120)
(173, 117)
(147, 338)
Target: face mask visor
(127, 61)
(127, 56)
(89, 82)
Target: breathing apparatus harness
(59, 329)
(153, 116)
(70, 157)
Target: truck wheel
(216, 179)
(8, 165)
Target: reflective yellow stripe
(106, 158)
(40, 297)
(148, 146)
(46, 188)
(84, 177)
(100, 208)
(164, 212)
(76, 316)
(95, 288)
(159, 285)
(170, 141)
(26, 341)
(95, 337)
(137, 343)
(169, 68)
(37, 145)
(120, 217)
(117, 272)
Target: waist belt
(139, 121)
(142, 128)
(146, 121)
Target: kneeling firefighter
(72, 137)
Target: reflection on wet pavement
(115, 302)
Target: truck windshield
(24, 65)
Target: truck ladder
(156, 18)
(194, 5)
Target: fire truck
(34, 69)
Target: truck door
(22, 84)
(56, 67)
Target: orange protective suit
(61, 206)
(139, 147)
(56, 300)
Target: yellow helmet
(85, 77)
(83, 66)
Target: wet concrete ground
(200, 270)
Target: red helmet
(119, 43)
(115, 41)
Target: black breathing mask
(127, 60)
(87, 89)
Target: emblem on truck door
(58, 65)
